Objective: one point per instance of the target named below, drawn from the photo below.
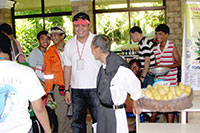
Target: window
(115, 19)
(115, 25)
(146, 3)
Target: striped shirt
(165, 57)
(146, 49)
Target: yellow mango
(178, 91)
(187, 90)
(157, 96)
(154, 91)
(162, 91)
(149, 86)
(164, 97)
(172, 89)
(166, 88)
(170, 96)
(181, 85)
(148, 93)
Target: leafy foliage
(116, 25)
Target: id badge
(80, 64)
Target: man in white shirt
(80, 68)
(114, 81)
(18, 86)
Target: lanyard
(80, 54)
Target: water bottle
(52, 105)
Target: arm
(136, 108)
(133, 87)
(176, 56)
(67, 77)
(42, 83)
(146, 67)
(41, 113)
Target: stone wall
(174, 21)
(83, 6)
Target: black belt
(114, 107)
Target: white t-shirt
(18, 85)
(84, 78)
(122, 83)
(36, 59)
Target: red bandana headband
(81, 22)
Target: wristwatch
(66, 90)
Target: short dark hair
(43, 32)
(81, 15)
(135, 61)
(103, 42)
(135, 29)
(162, 27)
(5, 44)
(6, 28)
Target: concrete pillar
(174, 21)
(83, 6)
(5, 11)
(5, 16)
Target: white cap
(58, 29)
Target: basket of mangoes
(164, 98)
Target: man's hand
(49, 98)
(136, 108)
(142, 79)
(67, 97)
